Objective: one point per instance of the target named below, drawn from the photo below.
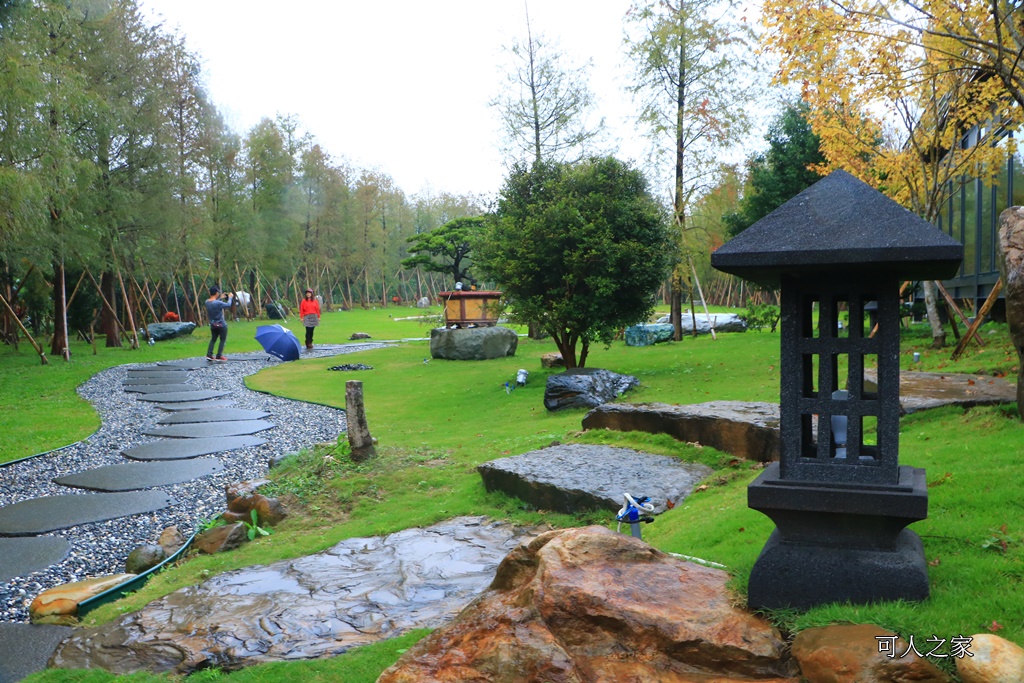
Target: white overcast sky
(401, 86)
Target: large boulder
(165, 331)
(59, 605)
(723, 322)
(1011, 269)
(746, 429)
(585, 388)
(646, 335)
(474, 343)
(588, 605)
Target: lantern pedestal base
(839, 542)
(803, 576)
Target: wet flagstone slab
(360, 591)
(141, 475)
(181, 449)
(202, 430)
(21, 556)
(212, 415)
(50, 513)
(194, 405)
(25, 648)
(180, 396)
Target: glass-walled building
(972, 216)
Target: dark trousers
(215, 334)
(309, 336)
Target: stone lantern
(838, 496)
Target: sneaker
(210, 358)
(222, 357)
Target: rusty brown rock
(59, 604)
(269, 511)
(232, 517)
(239, 495)
(552, 360)
(850, 654)
(587, 605)
(994, 660)
(1010, 260)
(745, 429)
(170, 540)
(220, 539)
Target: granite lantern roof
(839, 224)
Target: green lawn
(436, 421)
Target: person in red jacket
(309, 312)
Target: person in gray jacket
(218, 325)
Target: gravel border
(101, 548)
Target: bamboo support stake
(979, 318)
(952, 304)
(39, 350)
(711, 325)
(127, 304)
(99, 290)
(874, 330)
(75, 290)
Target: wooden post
(359, 439)
(979, 318)
(39, 350)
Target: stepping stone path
(92, 528)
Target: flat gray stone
(141, 475)
(924, 390)
(171, 378)
(21, 556)
(180, 396)
(181, 449)
(203, 430)
(26, 648)
(360, 591)
(575, 477)
(161, 388)
(49, 513)
(187, 406)
(187, 364)
(156, 371)
(212, 415)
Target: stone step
(181, 396)
(50, 513)
(181, 449)
(172, 378)
(187, 364)
(212, 415)
(26, 648)
(161, 388)
(141, 475)
(202, 430)
(185, 406)
(21, 556)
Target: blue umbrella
(279, 341)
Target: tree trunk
(59, 347)
(676, 307)
(938, 332)
(108, 318)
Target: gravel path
(101, 548)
